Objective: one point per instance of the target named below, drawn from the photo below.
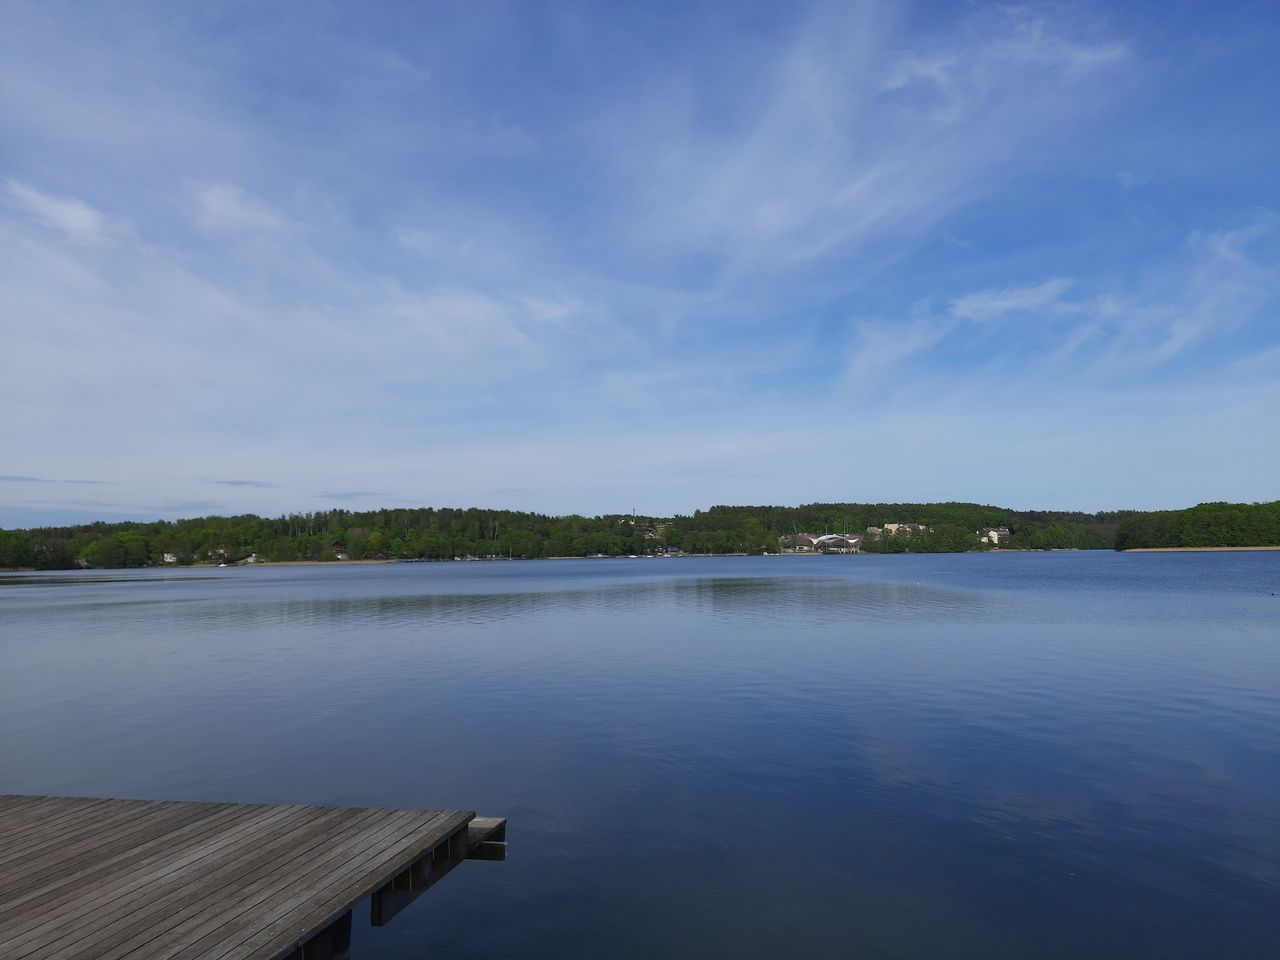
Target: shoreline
(345, 563)
(1195, 549)
(287, 563)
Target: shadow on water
(29, 580)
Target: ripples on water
(959, 756)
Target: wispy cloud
(1223, 285)
(1218, 284)
(989, 305)
(227, 208)
(74, 218)
(881, 348)
(828, 224)
(21, 478)
(855, 131)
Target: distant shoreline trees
(1205, 525)
(442, 534)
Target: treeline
(1206, 525)
(422, 534)
(953, 527)
(438, 534)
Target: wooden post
(331, 943)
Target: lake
(1061, 755)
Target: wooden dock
(90, 879)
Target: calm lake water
(967, 756)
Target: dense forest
(438, 534)
(441, 534)
(1206, 525)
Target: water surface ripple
(977, 756)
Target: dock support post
(331, 943)
(484, 838)
(411, 883)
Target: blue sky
(595, 257)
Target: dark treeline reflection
(818, 603)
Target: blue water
(964, 756)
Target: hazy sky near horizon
(595, 257)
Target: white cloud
(988, 305)
(1219, 284)
(1226, 281)
(853, 134)
(881, 348)
(75, 218)
(419, 242)
(1033, 39)
(465, 323)
(227, 208)
(652, 273)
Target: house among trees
(797, 543)
(993, 535)
(897, 530)
(904, 529)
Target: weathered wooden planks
(93, 879)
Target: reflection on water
(972, 756)
(90, 579)
(822, 602)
